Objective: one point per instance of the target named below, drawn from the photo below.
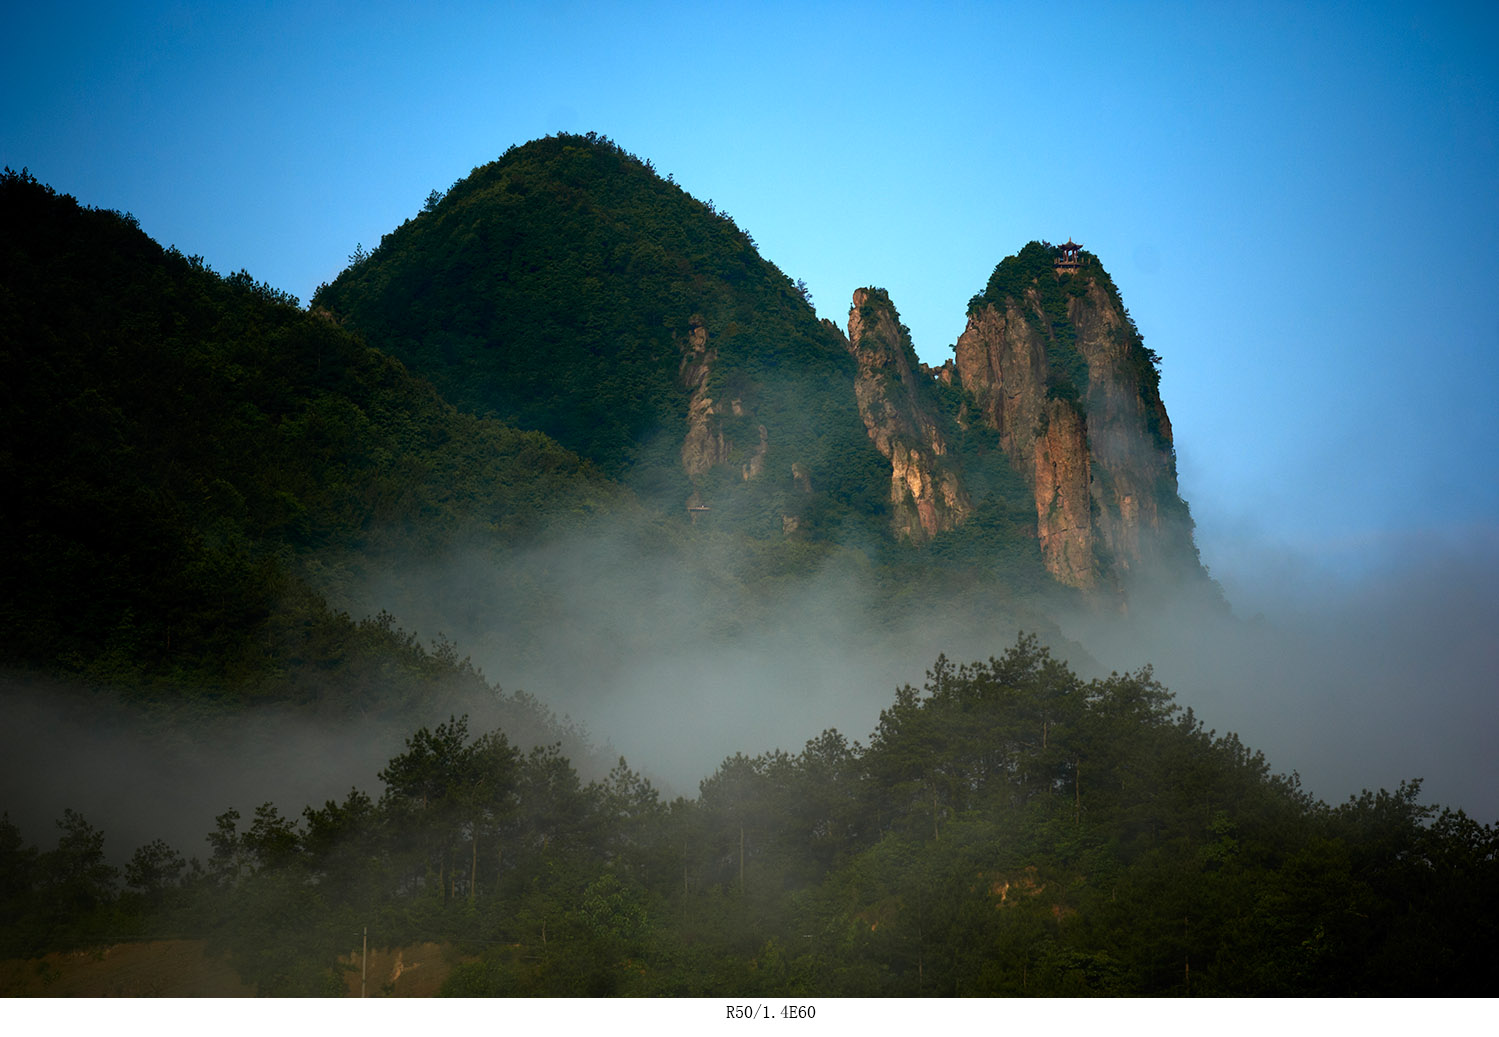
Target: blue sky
(1299, 203)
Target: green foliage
(1010, 829)
(182, 448)
(155, 870)
(558, 288)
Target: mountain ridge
(710, 386)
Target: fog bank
(1354, 677)
(1352, 681)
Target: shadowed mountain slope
(184, 451)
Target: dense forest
(205, 480)
(190, 457)
(554, 288)
(1009, 829)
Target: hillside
(221, 494)
(567, 288)
(221, 500)
(188, 457)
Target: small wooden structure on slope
(1068, 262)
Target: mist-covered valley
(1359, 681)
(652, 666)
(1356, 683)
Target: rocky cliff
(926, 494)
(1064, 502)
(1051, 364)
(1051, 361)
(704, 445)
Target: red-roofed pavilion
(1069, 260)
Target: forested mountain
(569, 415)
(567, 287)
(184, 452)
(199, 452)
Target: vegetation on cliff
(1029, 279)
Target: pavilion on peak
(1068, 260)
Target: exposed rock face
(1098, 455)
(1049, 361)
(704, 445)
(926, 495)
(1001, 361)
(1064, 523)
(946, 374)
(1134, 466)
(800, 478)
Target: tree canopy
(1009, 829)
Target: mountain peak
(1055, 365)
(566, 287)
(899, 411)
